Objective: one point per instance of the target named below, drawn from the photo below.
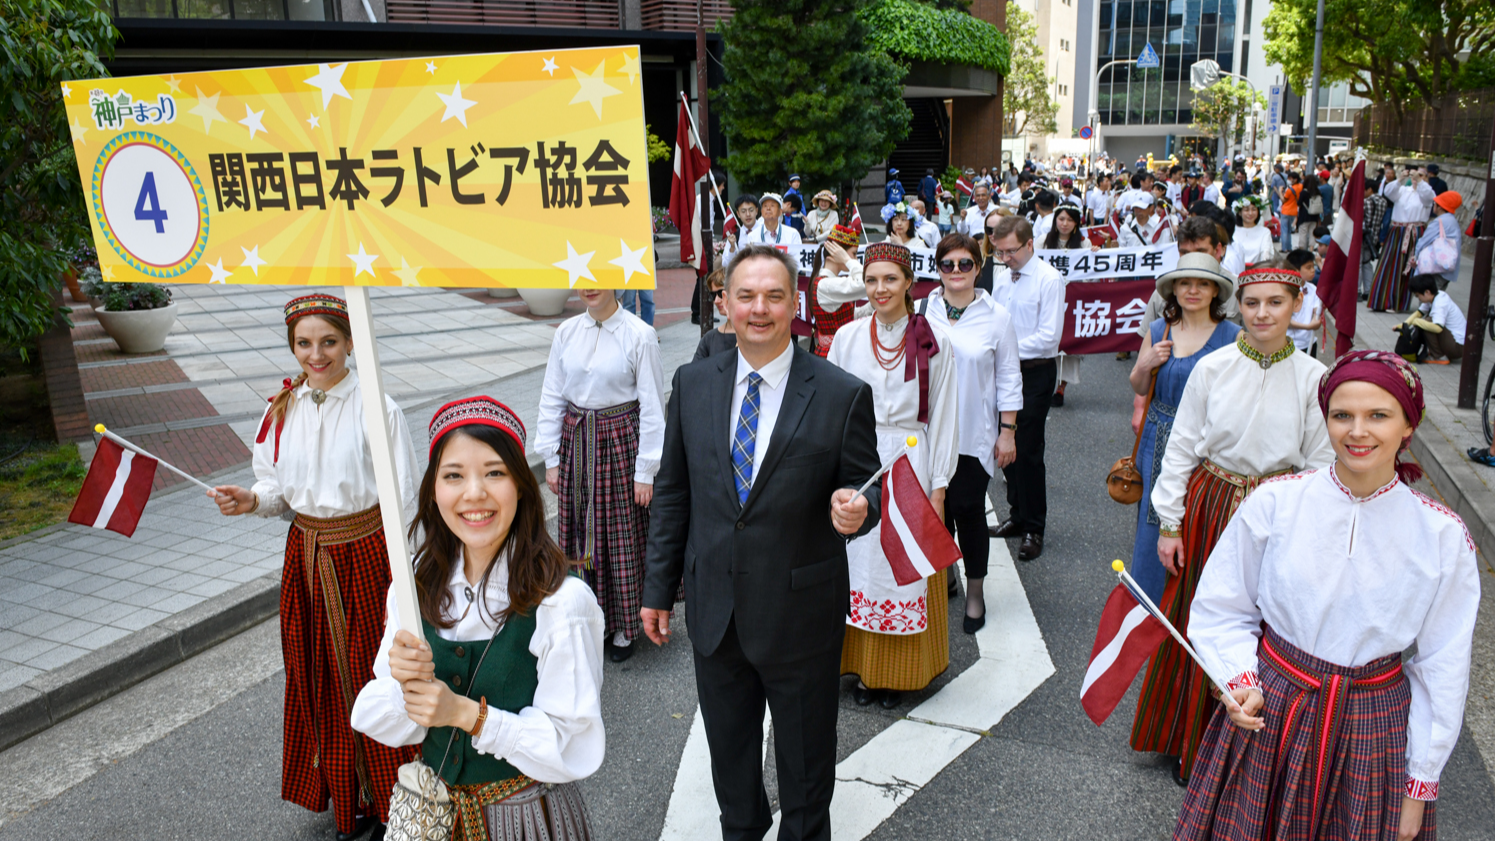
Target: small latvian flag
(116, 489)
(1127, 636)
(915, 540)
(856, 218)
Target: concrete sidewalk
(85, 613)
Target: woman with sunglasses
(989, 395)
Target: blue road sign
(1274, 106)
(1148, 60)
(1086, 132)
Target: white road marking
(895, 764)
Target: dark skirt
(1388, 289)
(1175, 704)
(332, 598)
(599, 523)
(1298, 779)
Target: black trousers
(965, 514)
(803, 697)
(1027, 494)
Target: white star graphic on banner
(329, 80)
(456, 106)
(431, 67)
(78, 130)
(364, 261)
(630, 261)
(550, 66)
(575, 265)
(173, 83)
(107, 271)
(630, 67)
(312, 121)
(207, 108)
(252, 259)
(252, 121)
(593, 89)
(406, 274)
(66, 91)
(220, 274)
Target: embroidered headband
(1388, 371)
(319, 304)
(843, 235)
(476, 411)
(1267, 274)
(888, 252)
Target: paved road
(195, 752)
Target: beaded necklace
(888, 357)
(1260, 358)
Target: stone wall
(1466, 179)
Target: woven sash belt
(584, 466)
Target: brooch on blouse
(1260, 358)
(318, 396)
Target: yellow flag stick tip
(913, 440)
(1118, 565)
(99, 428)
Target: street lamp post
(1095, 95)
(1206, 74)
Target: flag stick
(123, 443)
(716, 194)
(907, 445)
(1137, 592)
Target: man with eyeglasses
(1032, 292)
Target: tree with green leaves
(806, 93)
(1392, 51)
(1222, 109)
(42, 213)
(1027, 92)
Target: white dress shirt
(929, 232)
(1212, 194)
(1247, 420)
(1073, 200)
(559, 738)
(782, 235)
(1409, 204)
(1034, 297)
(1349, 580)
(988, 379)
(770, 399)
(1099, 202)
(973, 223)
(325, 467)
(597, 366)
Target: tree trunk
(64, 385)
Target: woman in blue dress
(1193, 325)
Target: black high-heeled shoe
(862, 695)
(971, 626)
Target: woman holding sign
(898, 639)
(311, 458)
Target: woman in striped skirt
(898, 636)
(1313, 592)
(1411, 202)
(1247, 413)
(311, 458)
(601, 432)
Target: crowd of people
(1272, 528)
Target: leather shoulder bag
(1124, 481)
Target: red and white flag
(1339, 280)
(915, 540)
(856, 218)
(963, 185)
(685, 210)
(115, 490)
(1127, 636)
(730, 226)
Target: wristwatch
(1011, 426)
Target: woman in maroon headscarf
(1310, 597)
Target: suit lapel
(723, 417)
(797, 395)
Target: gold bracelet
(477, 726)
(256, 505)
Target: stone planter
(138, 331)
(503, 292)
(545, 301)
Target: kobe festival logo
(150, 204)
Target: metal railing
(680, 15)
(582, 14)
(1459, 127)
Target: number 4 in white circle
(153, 213)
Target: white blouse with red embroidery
(1349, 580)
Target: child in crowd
(1310, 317)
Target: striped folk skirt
(1175, 704)
(536, 812)
(599, 522)
(1388, 289)
(1331, 764)
(332, 593)
(903, 662)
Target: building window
(226, 9)
(1063, 45)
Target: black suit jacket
(776, 563)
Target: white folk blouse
(559, 739)
(598, 365)
(1247, 420)
(325, 468)
(1349, 580)
(988, 378)
(1409, 204)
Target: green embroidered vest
(508, 680)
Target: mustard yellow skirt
(903, 662)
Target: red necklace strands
(888, 357)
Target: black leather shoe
(953, 589)
(1177, 773)
(890, 699)
(359, 828)
(1032, 547)
(1007, 528)
(1057, 399)
(620, 653)
(971, 626)
(862, 695)
(379, 832)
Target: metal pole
(703, 292)
(1479, 293)
(1311, 153)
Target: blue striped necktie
(745, 438)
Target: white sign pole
(380, 438)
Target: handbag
(1439, 257)
(420, 807)
(1124, 481)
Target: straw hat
(1200, 265)
(823, 194)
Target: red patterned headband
(888, 252)
(476, 411)
(1270, 275)
(319, 304)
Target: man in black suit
(753, 504)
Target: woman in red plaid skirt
(1314, 591)
(601, 432)
(311, 458)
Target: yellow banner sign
(515, 169)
